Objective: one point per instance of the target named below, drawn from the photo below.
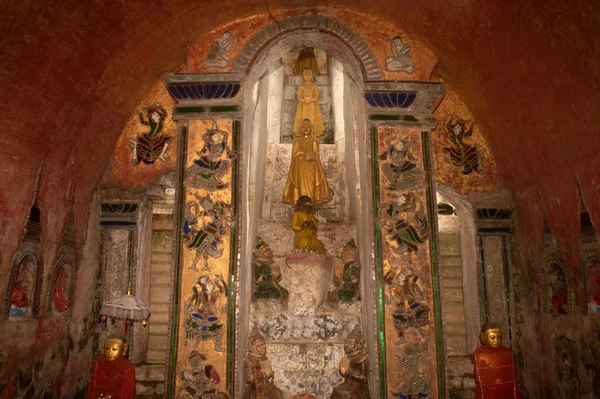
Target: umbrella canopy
(125, 307)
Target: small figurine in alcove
(306, 176)
(202, 323)
(411, 313)
(402, 171)
(461, 154)
(592, 279)
(209, 169)
(495, 376)
(308, 105)
(216, 56)
(305, 224)
(354, 367)
(148, 147)
(258, 371)
(201, 381)
(113, 376)
(23, 289)
(400, 61)
(346, 282)
(267, 274)
(406, 223)
(558, 290)
(60, 294)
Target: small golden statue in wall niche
(113, 376)
(267, 274)
(495, 376)
(306, 176)
(259, 373)
(346, 281)
(308, 93)
(354, 367)
(304, 224)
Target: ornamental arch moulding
(247, 57)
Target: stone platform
(305, 337)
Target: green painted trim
(378, 264)
(384, 117)
(188, 110)
(176, 292)
(233, 265)
(224, 108)
(431, 207)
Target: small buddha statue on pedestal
(258, 370)
(495, 375)
(354, 368)
(113, 376)
(304, 224)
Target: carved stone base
(308, 278)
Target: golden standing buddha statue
(308, 105)
(306, 175)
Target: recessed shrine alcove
(305, 333)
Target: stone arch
(366, 58)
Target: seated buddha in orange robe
(495, 375)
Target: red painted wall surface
(72, 72)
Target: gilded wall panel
(206, 258)
(406, 259)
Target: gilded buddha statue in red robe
(495, 374)
(113, 376)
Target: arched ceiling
(71, 73)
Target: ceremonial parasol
(126, 307)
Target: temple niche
(306, 272)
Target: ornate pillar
(399, 119)
(202, 333)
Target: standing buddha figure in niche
(306, 176)
(308, 105)
(304, 224)
(495, 376)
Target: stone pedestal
(305, 341)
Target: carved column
(400, 121)
(202, 331)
